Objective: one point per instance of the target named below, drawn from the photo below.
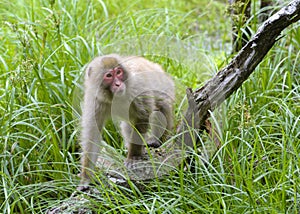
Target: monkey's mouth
(118, 91)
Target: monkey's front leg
(88, 160)
(92, 123)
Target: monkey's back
(148, 76)
(139, 64)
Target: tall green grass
(44, 47)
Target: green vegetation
(44, 47)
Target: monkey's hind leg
(134, 141)
(159, 126)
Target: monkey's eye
(119, 71)
(108, 75)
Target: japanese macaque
(132, 89)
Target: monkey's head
(110, 73)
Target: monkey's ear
(89, 71)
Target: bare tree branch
(230, 78)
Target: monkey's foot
(153, 142)
(83, 188)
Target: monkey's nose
(117, 83)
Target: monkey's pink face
(114, 79)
